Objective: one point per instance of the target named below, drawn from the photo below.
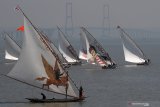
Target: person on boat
(147, 61)
(58, 74)
(43, 96)
(80, 92)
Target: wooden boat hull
(147, 62)
(75, 63)
(110, 67)
(143, 64)
(37, 100)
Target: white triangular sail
(130, 57)
(132, 52)
(83, 48)
(12, 49)
(102, 57)
(84, 52)
(66, 48)
(36, 64)
(63, 60)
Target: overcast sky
(143, 14)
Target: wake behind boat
(132, 51)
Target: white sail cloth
(132, 52)
(30, 66)
(64, 46)
(85, 47)
(130, 57)
(12, 50)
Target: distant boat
(132, 52)
(12, 49)
(40, 67)
(93, 52)
(67, 49)
(57, 52)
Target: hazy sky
(50, 13)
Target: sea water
(126, 86)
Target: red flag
(21, 28)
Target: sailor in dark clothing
(58, 75)
(43, 96)
(148, 60)
(80, 92)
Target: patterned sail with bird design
(37, 65)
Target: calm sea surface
(126, 86)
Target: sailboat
(12, 49)
(132, 52)
(93, 52)
(61, 57)
(67, 49)
(58, 53)
(40, 67)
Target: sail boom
(35, 86)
